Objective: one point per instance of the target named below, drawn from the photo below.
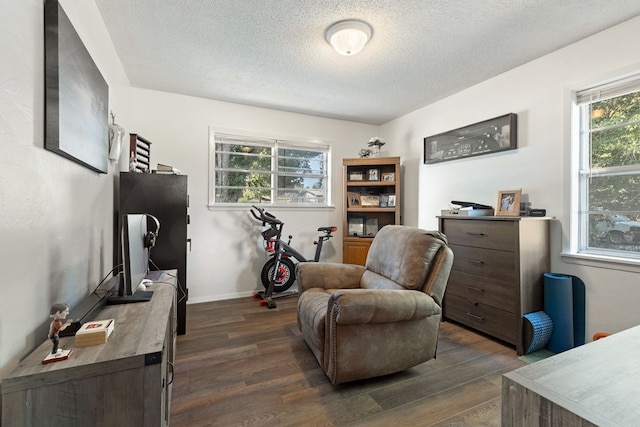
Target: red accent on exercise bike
(270, 245)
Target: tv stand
(125, 382)
(139, 296)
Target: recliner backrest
(410, 257)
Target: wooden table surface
(598, 382)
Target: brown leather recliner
(366, 321)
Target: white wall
(539, 92)
(227, 254)
(55, 215)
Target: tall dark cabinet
(165, 197)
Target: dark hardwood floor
(240, 364)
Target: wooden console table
(596, 384)
(124, 382)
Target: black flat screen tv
(135, 261)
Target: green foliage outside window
(611, 174)
(264, 171)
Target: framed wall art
(76, 95)
(489, 136)
(508, 203)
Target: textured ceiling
(272, 53)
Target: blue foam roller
(558, 304)
(540, 326)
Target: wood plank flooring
(240, 364)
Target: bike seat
(328, 230)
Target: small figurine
(59, 312)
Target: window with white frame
(609, 169)
(255, 170)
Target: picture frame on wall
(489, 136)
(508, 203)
(76, 95)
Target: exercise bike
(279, 272)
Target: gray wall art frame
(489, 136)
(76, 95)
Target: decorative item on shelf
(356, 226)
(392, 201)
(509, 203)
(353, 199)
(365, 152)
(375, 144)
(388, 176)
(58, 313)
(387, 201)
(356, 176)
(371, 227)
(369, 200)
(94, 332)
(373, 175)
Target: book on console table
(94, 332)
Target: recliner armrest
(328, 275)
(357, 306)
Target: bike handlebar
(264, 216)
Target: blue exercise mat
(564, 302)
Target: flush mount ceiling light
(348, 37)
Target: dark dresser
(497, 273)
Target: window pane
(620, 193)
(304, 196)
(615, 224)
(253, 169)
(615, 233)
(615, 127)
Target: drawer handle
(473, 302)
(475, 261)
(474, 289)
(475, 316)
(475, 234)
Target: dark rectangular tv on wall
(76, 95)
(486, 137)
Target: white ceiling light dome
(348, 37)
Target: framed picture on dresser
(509, 203)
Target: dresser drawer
(485, 290)
(499, 265)
(499, 235)
(490, 320)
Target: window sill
(602, 261)
(275, 208)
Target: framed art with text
(76, 95)
(489, 136)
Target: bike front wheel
(286, 274)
